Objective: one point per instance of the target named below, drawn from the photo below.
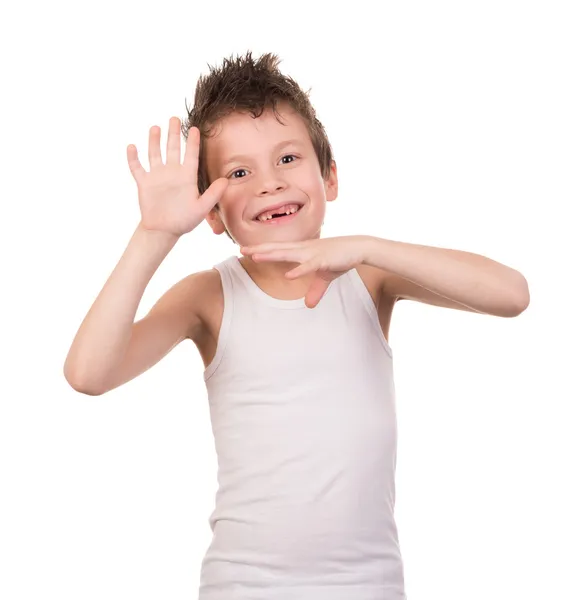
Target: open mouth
(284, 213)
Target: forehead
(240, 134)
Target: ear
(331, 184)
(215, 221)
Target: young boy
(293, 336)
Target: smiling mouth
(282, 213)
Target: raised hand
(169, 199)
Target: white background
(454, 124)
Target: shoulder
(206, 303)
(375, 281)
(196, 297)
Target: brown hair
(245, 84)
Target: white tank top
(302, 407)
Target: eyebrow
(279, 146)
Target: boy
(293, 336)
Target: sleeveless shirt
(302, 409)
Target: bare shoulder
(207, 306)
(374, 280)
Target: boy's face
(268, 164)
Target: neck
(270, 277)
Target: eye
(288, 155)
(237, 171)
(240, 170)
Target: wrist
(157, 235)
(369, 246)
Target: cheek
(316, 190)
(315, 180)
(231, 205)
(228, 199)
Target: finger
(173, 154)
(270, 247)
(135, 165)
(277, 255)
(315, 292)
(303, 269)
(214, 193)
(155, 146)
(191, 158)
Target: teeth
(290, 209)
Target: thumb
(214, 193)
(316, 291)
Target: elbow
(520, 300)
(78, 385)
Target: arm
(109, 348)
(448, 278)
(95, 358)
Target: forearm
(104, 334)
(471, 279)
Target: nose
(270, 189)
(271, 183)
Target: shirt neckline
(259, 293)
